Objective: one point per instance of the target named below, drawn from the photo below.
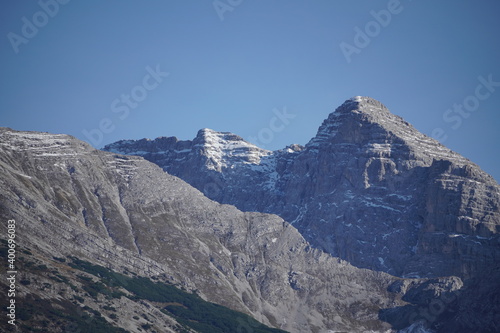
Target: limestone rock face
(368, 188)
(127, 214)
(301, 239)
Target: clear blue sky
(233, 64)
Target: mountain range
(368, 188)
(369, 227)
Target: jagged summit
(364, 121)
(366, 110)
(223, 140)
(42, 144)
(362, 104)
(352, 122)
(224, 149)
(208, 132)
(219, 150)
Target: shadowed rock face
(368, 188)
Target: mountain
(370, 227)
(108, 242)
(368, 188)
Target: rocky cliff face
(126, 214)
(368, 188)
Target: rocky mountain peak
(366, 122)
(369, 188)
(353, 122)
(41, 144)
(224, 149)
(362, 104)
(209, 135)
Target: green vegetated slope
(187, 308)
(76, 284)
